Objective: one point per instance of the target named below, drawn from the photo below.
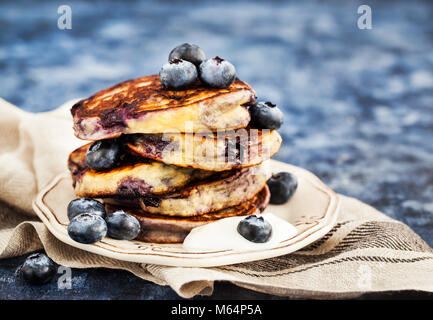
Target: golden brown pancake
(162, 229)
(141, 178)
(167, 189)
(228, 189)
(143, 105)
(223, 190)
(209, 151)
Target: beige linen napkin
(365, 251)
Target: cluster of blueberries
(89, 222)
(187, 63)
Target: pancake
(209, 151)
(143, 105)
(139, 177)
(223, 190)
(230, 189)
(162, 229)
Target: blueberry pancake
(209, 151)
(166, 189)
(136, 177)
(171, 229)
(225, 189)
(143, 105)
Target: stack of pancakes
(189, 156)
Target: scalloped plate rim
(152, 255)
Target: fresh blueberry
(38, 269)
(217, 73)
(178, 74)
(188, 52)
(104, 154)
(266, 115)
(85, 205)
(87, 228)
(122, 226)
(255, 229)
(282, 186)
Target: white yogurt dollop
(223, 235)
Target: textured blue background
(358, 104)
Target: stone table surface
(358, 104)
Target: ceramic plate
(312, 210)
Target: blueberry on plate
(188, 52)
(266, 115)
(38, 269)
(85, 205)
(178, 74)
(282, 186)
(87, 228)
(255, 229)
(103, 154)
(217, 73)
(122, 226)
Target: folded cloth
(364, 252)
